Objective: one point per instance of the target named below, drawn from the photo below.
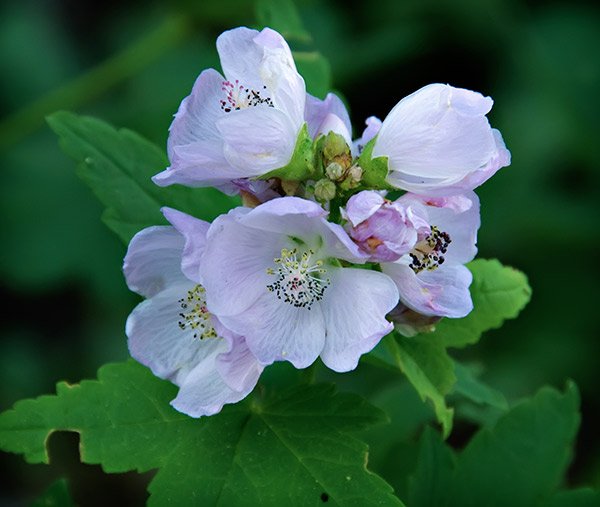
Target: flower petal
(258, 139)
(238, 368)
(234, 264)
(194, 232)
(316, 110)
(276, 330)
(156, 340)
(152, 262)
(437, 132)
(241, 56)
(354, 307)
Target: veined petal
(276, 330)
(198, 112)
(258, 139)
(204, 392)
(443, 292)
(354, 308)
(234, 265)
(240, 56)
(156, 340)
(332, 123)
(278, 71)
(194, 232)
(152, 260)
(199, 164)
(437, 132)
(238, 368)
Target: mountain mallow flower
(384, 229)
(243, 125)
(273, 274)
(431, 278)
(171, 332)
(438, 141)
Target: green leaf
(584, 497)
(434, 473)
(294, 450)
(301, 167)
(281, 15)
(499, 293)
(472, 388)
(424, 361)
(519, 462)
(118, 167)
(375, 170)
(522, 460)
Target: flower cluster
(337, 243)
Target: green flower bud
(334, 145)
(325, 190)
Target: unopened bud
(334, 145)
(335, 171)
(289, 186)
(325, 190)
(355, 174)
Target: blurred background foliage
(131, 62)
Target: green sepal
(302, 164)
(375, 170)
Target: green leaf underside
(118, 166)
(498, 293)
(289, 451)
(519, 462)
(301, 165)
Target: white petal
(156, 340)
(258, 139)
(355, 306)
(153, 260)
(437, 132)
(204, 392)
(241, 56)
(277, 331)
(235, 262)
(238, 367)
(316, 110)
(194, 233)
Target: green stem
(96, 81)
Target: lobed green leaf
(118, 166)
(294, 450)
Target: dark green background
(63, 295)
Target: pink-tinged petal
(437, 132)
(156, 340)
(443, 292)
(241, 56)
(276, 330)
(339, 244)
(194, 232)
(204, 392)
(363, 205)
(459, 217)
(316, 110)
(354, 307)
(153, 258)
(238, 368)
(258, 139)
(278, 71)
(198, 112)
(235, 262)
(199, 164)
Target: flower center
(195, 315)
(298, 282)
(237, 97)
(428, 253)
